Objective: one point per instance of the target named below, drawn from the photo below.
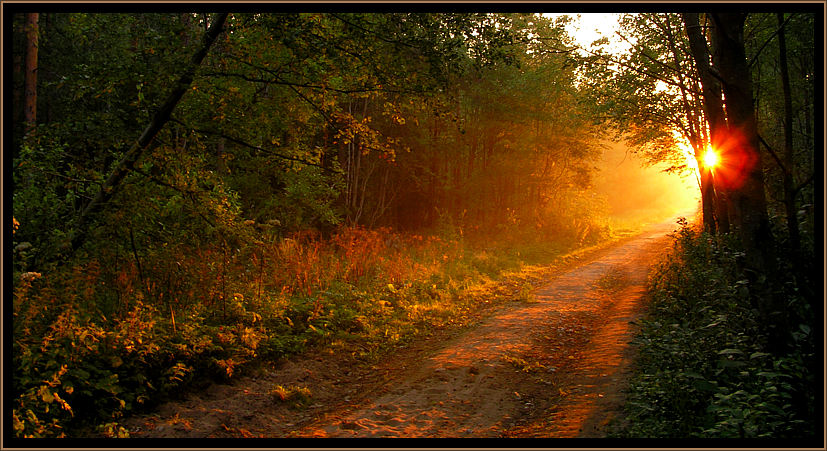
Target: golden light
(710, 158)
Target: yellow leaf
(45, 394)
(65, 405)
(17, 424)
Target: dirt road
(554, 367)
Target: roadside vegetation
(93, 344)
(707, 367)
(195, 193)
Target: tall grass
(124, 330)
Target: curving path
(554, 367)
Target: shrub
(703, 368)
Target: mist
(638, 194)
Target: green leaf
(731, 364)
(706, 386)
(772, 374)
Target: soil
(554, 367)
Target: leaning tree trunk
(113, 182)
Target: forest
(192, 194)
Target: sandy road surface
(554, 367)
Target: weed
(295, 395)
(524, 365)
(612, 281)
(527, 292)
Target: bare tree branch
(754, 58)
(251, 146)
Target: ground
(556, 366)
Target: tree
(713, 109)
(653, 93)
(30, 107)
(747, 184)
(782, 108)
(161, 117)
(742, 141)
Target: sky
(586, 28)
(634, 192)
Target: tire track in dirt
(555, 367)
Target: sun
(710, 158)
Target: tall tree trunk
(18, 75)
(221, 157)
(186, 26)
(713, 109)
(707, 195)
(30, 87)
(789, 185)
(749, 199)
(113, 182)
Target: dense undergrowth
(706, 367)
(117, 334)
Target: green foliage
(651, 93)
(239, 234)
(297, 396)
(99, 341)
(704, 369)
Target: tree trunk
(30, 87)
(749, 199)
(221, 157)
(18, 75)
(713, 108)
(113, 182)
(707, 196)
(789, 185)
